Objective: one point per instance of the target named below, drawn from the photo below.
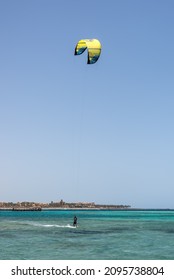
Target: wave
(51, 225)
(58, 226)
(42, 225)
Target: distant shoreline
(87, 209)
(60, 205)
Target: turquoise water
(100, 235)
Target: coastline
(86, 209)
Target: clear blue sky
(102, 133)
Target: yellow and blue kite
(94, 49)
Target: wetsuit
(75, 221)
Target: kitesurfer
(75, 221)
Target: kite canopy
(94, 49)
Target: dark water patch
(170, 231)
(101, 231)
(159, 229)
(87, 232)
(164, 230)
(120, 229)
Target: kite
(93, 47)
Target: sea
(100, 235)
